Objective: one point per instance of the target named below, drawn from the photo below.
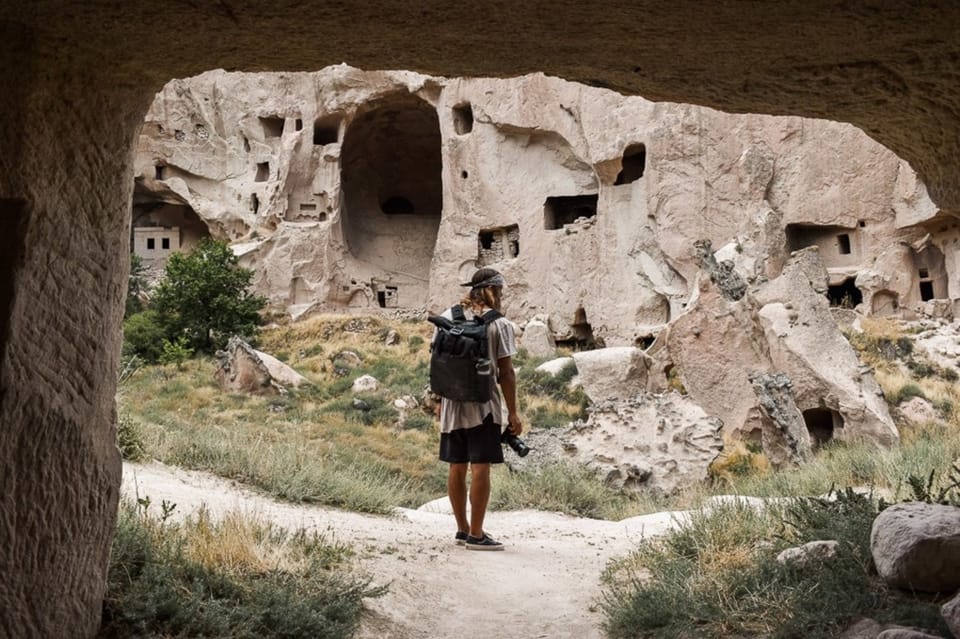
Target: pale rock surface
(659, 443)
(951, 614)
(917, 411)
(240, 369)
(289, 166)
(863, 629)
(537, 338)
(555, 366)
(365, 384)
(870, 629)
(780, 327)
(282, 373)
(916, 546)
(939, 341)
(809, 552)
(619, 372)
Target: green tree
(143, 335)
(203, 296)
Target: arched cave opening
(634, 163)
(845, 295)
(392, 193)
(821, 424)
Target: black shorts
(480, 444)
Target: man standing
(470, 431)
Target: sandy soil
(544, 585)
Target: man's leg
(457, 491)
(479, 496)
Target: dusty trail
(544, 585)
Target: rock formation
(243, 369)
(352, 190)
(659, 443)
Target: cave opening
(392, 191)
(821, 424)
(567, 209)
(633, 165)
(844, 295)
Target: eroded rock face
(243, 369)
(649, 442)
(726, 350)
(596, 198)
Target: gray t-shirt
(502, 342)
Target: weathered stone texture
(65, 261)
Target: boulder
(555, 366)
(782, 327)
(619, 372)
(241, 369)
(537, 338)
(863, 629)
(916, 546)
(917, 411)
(651, 442)
(906, 633)
(365, 384)
(280, 372)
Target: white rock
(617, 373)
(365, 384)
(809, 552)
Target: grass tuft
(238, 577)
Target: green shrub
(905, 392)
(204, 296)
(130, 438)
(143, 336)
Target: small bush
(143, 336)
(205, 578)
(130, 438)
(906, 392)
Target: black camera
(515, 443)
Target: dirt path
(545, 585)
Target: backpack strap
(491, 316)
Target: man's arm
(508, 384)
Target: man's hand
(514, 425)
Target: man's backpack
(460, 366)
